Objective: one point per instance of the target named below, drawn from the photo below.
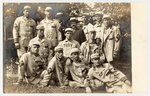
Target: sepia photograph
(67, 47)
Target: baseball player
(56, 68)
(90, 46)
(104, 73)
(31, 68)
(23, 31)
(68, 43)
(51, 27)
(77, 69)
(45, 50)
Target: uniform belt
(111, 38)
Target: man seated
(56, 68)
(77, 69)
(31, 67)
(105, 74)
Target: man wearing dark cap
(23, 31)
(45, 50)
(78, 34)
(60, 16)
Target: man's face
(59, 54)
(48, 13)
(80, 25)
(92, 35)
(41, 33)
(98, 41)
(75, 56)
(68, 35)
(35, 49)
(106, 22)
(26, 13)
(73, 24)
(96, 61)
(97, 18)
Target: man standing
(68, 43)
(106, 35)
(51, 27)
(97, 26)
(23, 31)
(117, 40)
(89, 47)
(60, 16)
(45, 50)
(98, 21)
(78, 34)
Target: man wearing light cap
(77, 69)
(56, 68)
(106, 35)
(68, 43)
(23, 31)
(51, 27)
(89, 46)
(31, 66)
(104, 74)
(45, 50)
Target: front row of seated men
(70, 71)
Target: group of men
(82, 59)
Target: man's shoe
(19, 82)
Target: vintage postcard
(75, 47)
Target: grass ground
(25, 88)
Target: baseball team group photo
(67, 48)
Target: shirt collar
(40, 40)
(67, 40)
(49, 20)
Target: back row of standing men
(99, 41)
(106, 36)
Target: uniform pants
(93, 83)
(75, 84)
(43, 79)
(119, 87)
(96, 83)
